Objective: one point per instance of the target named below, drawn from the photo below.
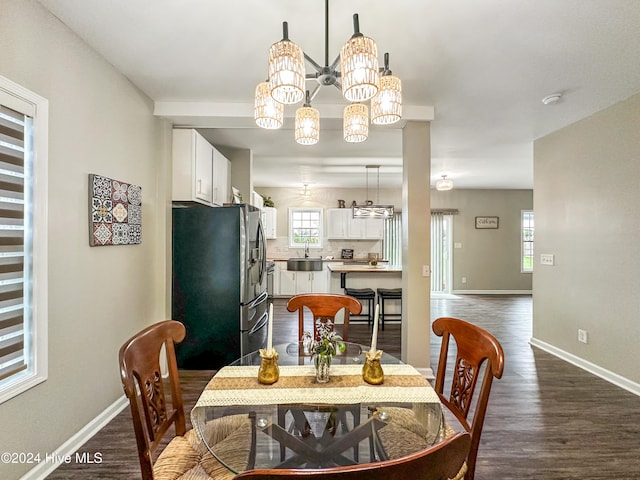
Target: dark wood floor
(546, 419)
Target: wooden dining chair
(154, 412)
(441, 462)
(475, 347)
(324, 308)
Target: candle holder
(372, 370)
(268, 373)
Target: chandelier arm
(338, 85)
(313, 93)
(334, 65)
(314, 63)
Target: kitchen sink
(310, 264)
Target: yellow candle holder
(268, 373)
(372, 370)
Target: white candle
(270, 330)
(374, 336)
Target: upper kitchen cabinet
(200, 173)
(342, 225)
(269, 222)
(221, 178)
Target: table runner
(238, 385)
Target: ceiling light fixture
(444, 184)
(362, 79)
(369, 210)
(305, 192)
(552, 99)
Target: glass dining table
(298, 423)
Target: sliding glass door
(441, 239)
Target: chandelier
(369, 209)
(360, 78)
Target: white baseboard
(43, 469)
(596, 370)
(492, 292)
(426, 373)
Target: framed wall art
(486, 222)
(115, 212)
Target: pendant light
(371, 210)
(307, 124)
(386, 105)
(444, 184)
(267, 112)
(356, 123)
(286, 70)
(359, 66)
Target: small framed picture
(486, 222)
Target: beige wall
(587, 192)
(489, 259)
(98, 297)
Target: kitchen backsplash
(279, 248)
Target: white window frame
(523, 242)
(25, 101)
(292, 213)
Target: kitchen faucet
(306, 249)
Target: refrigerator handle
(258, 300)
(262, 246)
(260, 323)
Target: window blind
(392, 240)
(12, 241)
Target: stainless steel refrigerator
(219, 286)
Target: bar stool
(389, 294)
(363, 294)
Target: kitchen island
(344, 269)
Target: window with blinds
(15, 129)
(23, 239)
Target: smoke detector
(552, 99)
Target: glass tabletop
(298, 354)
(297, 423)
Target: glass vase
(323, 363)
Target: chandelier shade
(444, 184)
(386, 105)
(355, 71)
(268, 113)
(307, 124)
(286, 70)
(359, 66)
(356, 123)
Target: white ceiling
(480, 68)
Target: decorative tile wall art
(115, 212)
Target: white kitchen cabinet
(221, 179)
(192, 158)
(342, 225)
(294, 283)
(338, 223)
(200, 172)
(287, 281)
(257, 200)
(269, 222)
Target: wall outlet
(425, 271)
(583, 337)
(457, 245)
(464, 279)
(546, 259)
